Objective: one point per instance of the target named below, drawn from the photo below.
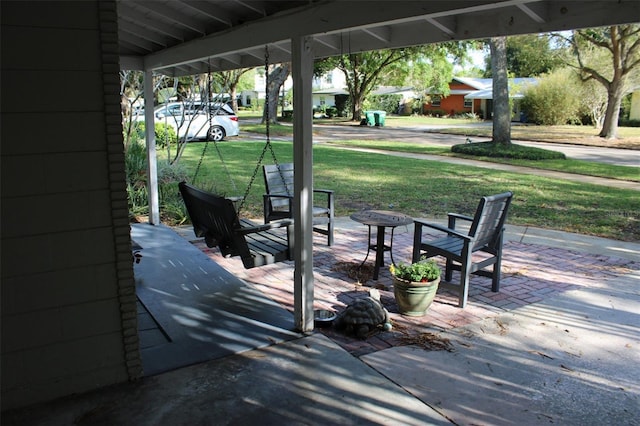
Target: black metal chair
(485, 235)
(278, 183)
(215, 218)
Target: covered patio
(521, 356)
(299, 34)
(69, 311)
(537, 265)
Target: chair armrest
(267, 196)
(460, 216)
(268, 208)
(267, 226)
(454, 216)
(420, 223)
(329, 194)
(324, 191)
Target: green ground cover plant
(513, 151)
(424, 188)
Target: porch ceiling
(184, 37)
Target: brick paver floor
(530, 273)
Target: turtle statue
(364, 316)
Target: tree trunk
(276, 79)
(501, 107)
(233, 92)
(615, 94)
(356, 108)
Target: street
(322, 133)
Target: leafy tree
(230, 82)
(528, 56)
(593, 102)
(501, 106)
(424, 66)
(131, 93)
(611, 57)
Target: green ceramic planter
(414, 298)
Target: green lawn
(579, 167)
(426, 188)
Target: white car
(191, 121)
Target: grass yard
(425, 188)
(628, 137)
(580, 167)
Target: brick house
(455, 102)
(473, 95)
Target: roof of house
(330, 91)
(516, 88)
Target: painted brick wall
(68, 293)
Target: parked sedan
(191, 121)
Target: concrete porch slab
(571, 359)
(308, 381)
(204, 311)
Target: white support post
(302, 73)
(150, 138)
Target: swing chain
(204, 150)
(268, 136)
(215, 143)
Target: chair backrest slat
(275, 185)
(489, 219)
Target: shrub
(331, 112)
(520, 152)
(629, 123)
(164, 133)
(553, 101)
(387, 103)
(136, 172)
(172, 207)
(435, 112)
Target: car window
(222, 109)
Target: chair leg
(330, 232)
(497, 267)
(495, 276)
(448, 270)
(464, 281)
(417, 241)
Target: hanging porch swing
(216, 218)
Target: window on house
(435, 101)
(468, 103)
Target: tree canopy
(420, 66)
(528, 55)
(611, 57)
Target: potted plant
(415, 286)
